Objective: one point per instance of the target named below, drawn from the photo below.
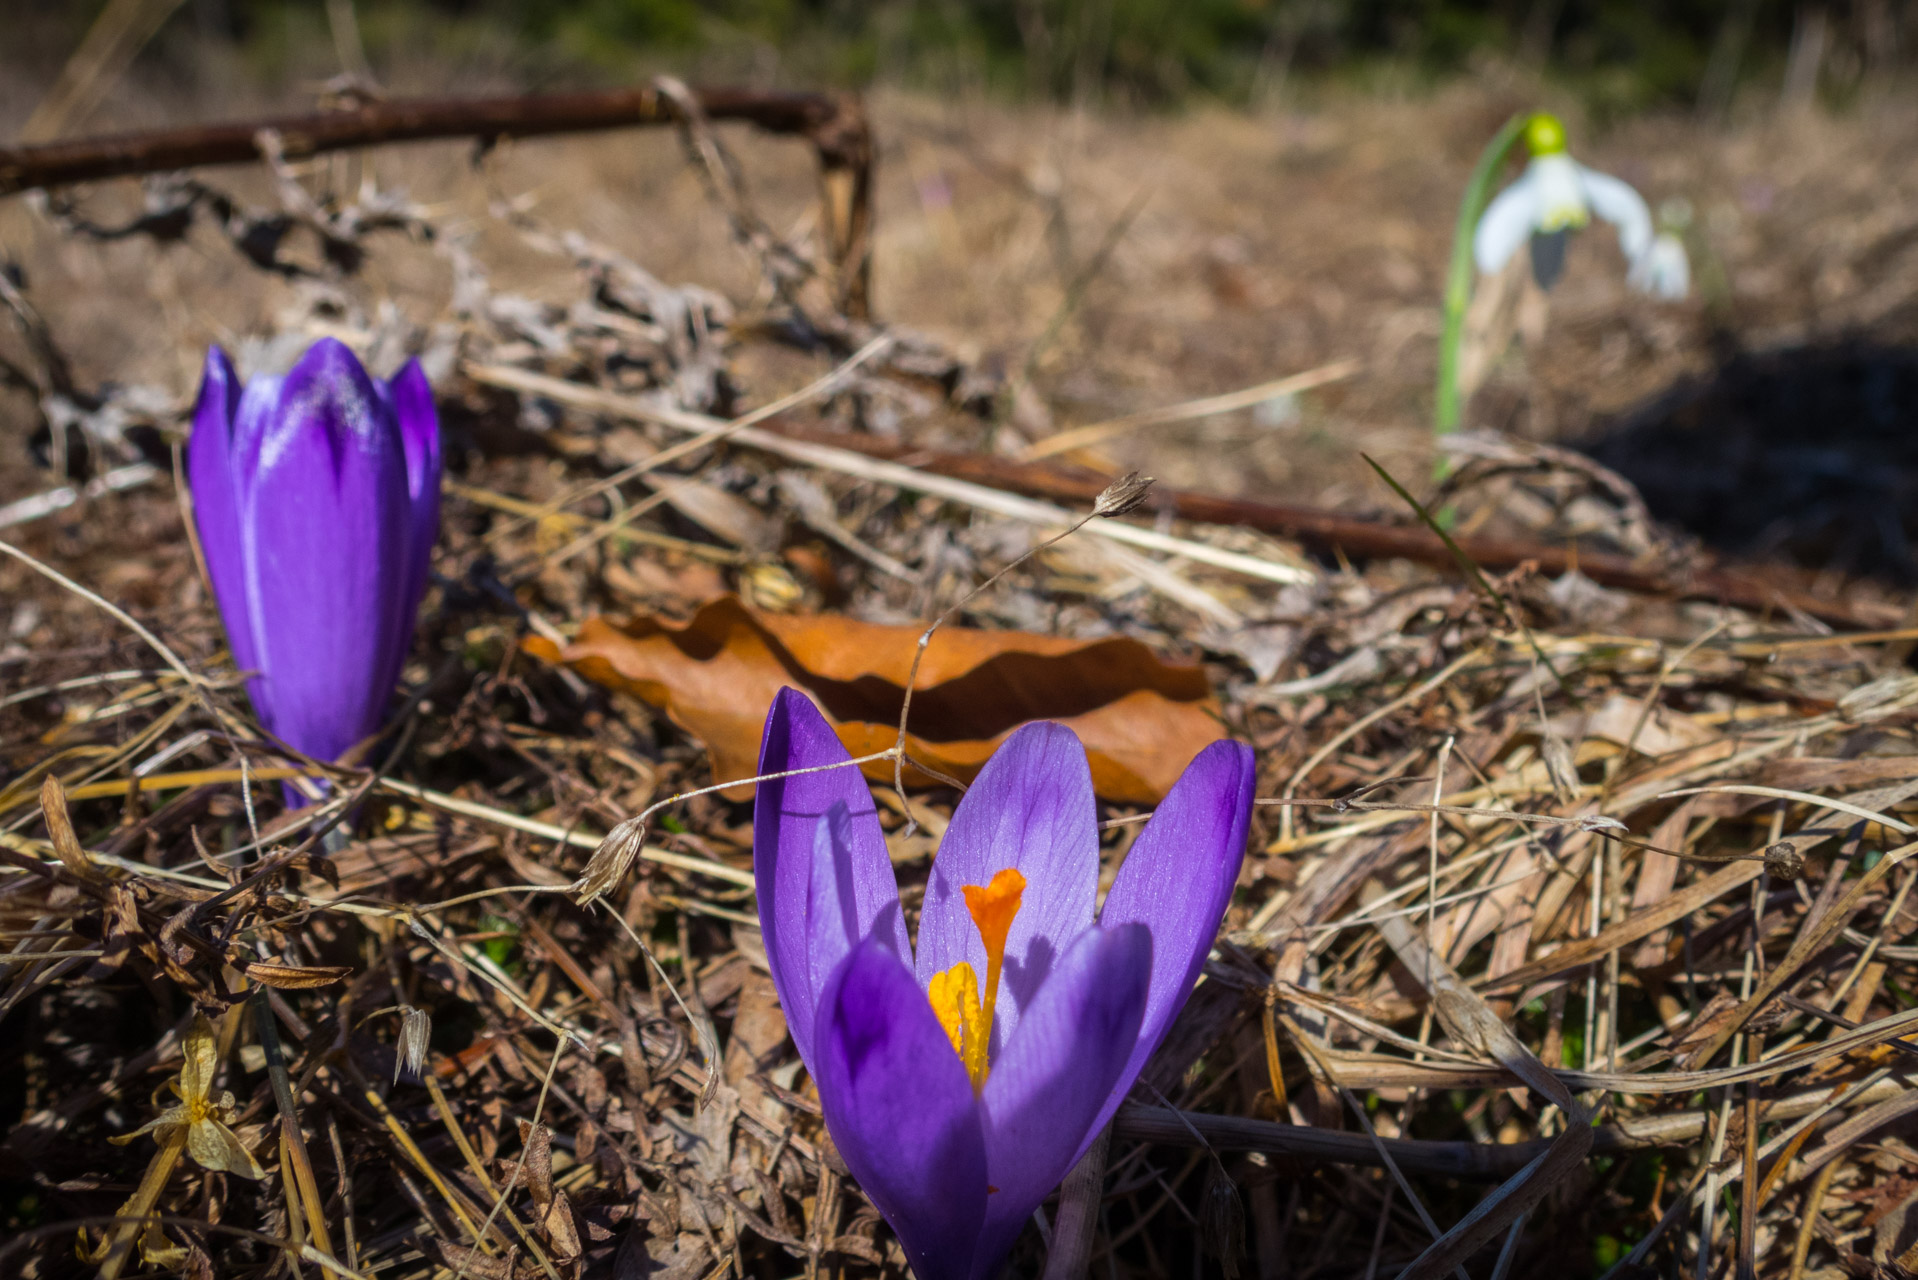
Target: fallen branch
(836, 126)
(812, 451)
(1772, 589)
(1468, 1161)
(373, 123)
(1319, 529)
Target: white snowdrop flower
(1557, 195)
(1664, 272)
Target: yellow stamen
(954, 992)
(955, 1000)
(993, 906)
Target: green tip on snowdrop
(1545, 135)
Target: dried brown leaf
(537, 1141)
(53, 804)
(642, 1256)
(296, 977)
(1141, 718)
(122, 932)
(561, 1231)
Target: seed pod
(611, 861)
(416, 1028)
(1122, 495)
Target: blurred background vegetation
(1616, 55)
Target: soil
(1242, 248)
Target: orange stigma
(955, 992)
(993, 906)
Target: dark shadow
(1808, 455)
(1024, 977)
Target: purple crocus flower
(961, 1081)
(317, 500)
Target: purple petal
(788, 814)
(419, 424)
(419, 428)
(213, 476)
(1031, 808)
(327, 508)
(1177, 881)
(901, 1110)
(258, 405)
(844, 906)
(1045, 1096)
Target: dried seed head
(416, 1027)
(611, 861)
(1560, 765)
(1783, 859)
(1122, 495)
(1770, 1016)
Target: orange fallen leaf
(1141, 718)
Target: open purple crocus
(962, 1081)
(317, 500)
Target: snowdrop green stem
(1458, 281)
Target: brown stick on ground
(1772, 589)
(836, 126)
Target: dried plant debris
(1576, 931)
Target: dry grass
(1599, 859)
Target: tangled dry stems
(1603, 902)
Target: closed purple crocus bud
(317, 500)
(960, 1082)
